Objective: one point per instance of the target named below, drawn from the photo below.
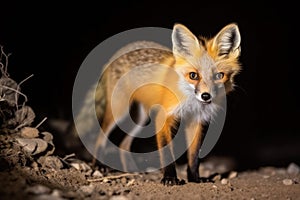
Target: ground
(40, 174)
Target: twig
(41, 122)
(112, 177)
(25, 79)
(68, 156)
(18, 88)
(4, 66)
(16, 91)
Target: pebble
(131, 182)
(105, 180)
(75, 165)
(123, 180)
(97, 174)
(121, 197)
(293, 169)
(56, 193)
(287, 182)
(224, 181)
(29, 132)
(81, 166)
(151, 169)
(48, 137)
(87, 189)
(233, 174)
(38, 189)
(33, 146)
(35, 166)
(217, 177)
(53, 162)
(113, 182)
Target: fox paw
(169, 181)
(200, 180)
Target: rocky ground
(30, 170)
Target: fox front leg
(167, 160)
(195, 133)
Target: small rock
(33, 146)
(88, 173)
(38, 190)
(35, 166)
(81, 166)
(287, 182)
(41, 146)
(27, 144)
(75, 165)
(52, 162)
(56, 193)
(87, 189)
(29, 132)
(24, 116)
(121, 197)
(233, 174)
(113, 182)
(123, 180)
(217, 177)
(224, 181)
(105, 180)
(131, 182)
(214, 186)
(293, 168)
(48, 137)
(97, 174)
(151, 169)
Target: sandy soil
(40, 174)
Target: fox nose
(205, 96)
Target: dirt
(48, 176)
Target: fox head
(204, 65)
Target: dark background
(51, 41)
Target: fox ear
(228, 40)
(184, 41)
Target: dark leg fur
(193, 174)
(193, 154)
(164, 137)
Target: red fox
(184, 83)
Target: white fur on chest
(191, 109)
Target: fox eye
(219, 76)
(194, 76)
